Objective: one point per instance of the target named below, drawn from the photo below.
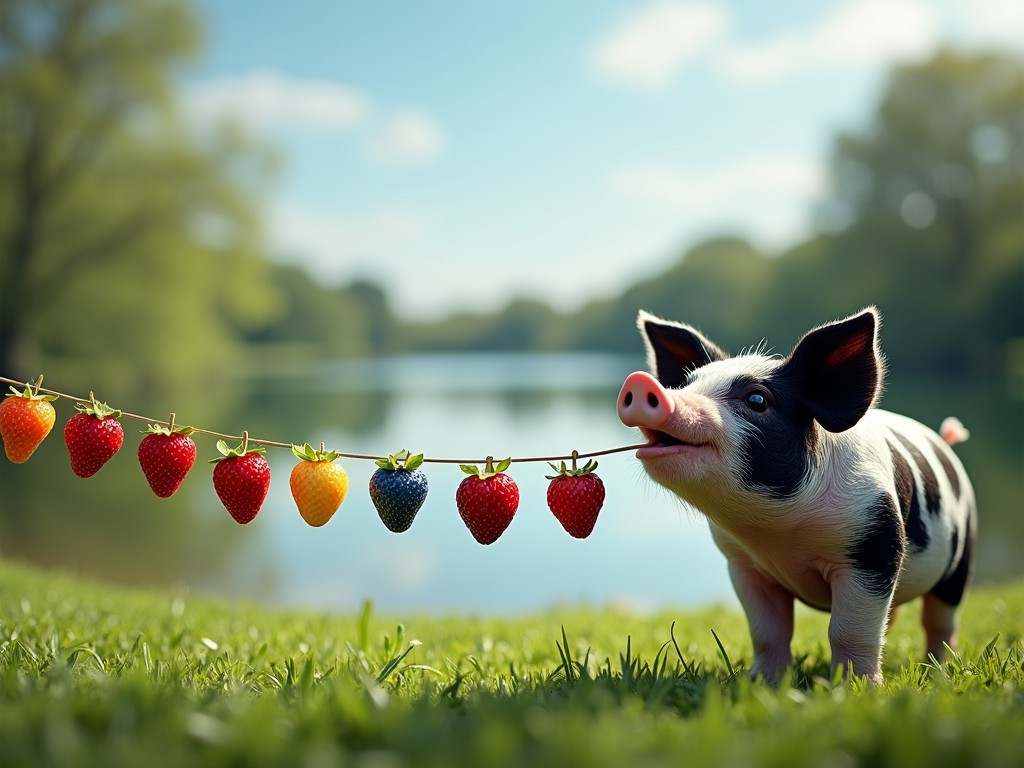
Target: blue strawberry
(398, 490)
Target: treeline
(926, 221)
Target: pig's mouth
(661, 443)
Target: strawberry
(166, 454)
(26, 418)
(575, 497)
(318, 485)
(487, 500)
(93, 436)
(241, 479)
(398, 489)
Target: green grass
(93, 675)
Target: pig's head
(723, 431)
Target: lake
(647, 550)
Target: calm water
(646, 551)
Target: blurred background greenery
(133, 262)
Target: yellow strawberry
(318, 484)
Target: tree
(124, 240)
(930, 201)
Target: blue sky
(464, 152)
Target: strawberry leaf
(166, 430)
(244, 448)
(401, 460)
(98, 409)
(562, 469)
(29, 393)
(307, 452)
(490, 470)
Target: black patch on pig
(777, 450)
(878, 554)
(951, 589)
(906, 494)
(931, 482)
(942, 452)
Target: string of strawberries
(487, 498)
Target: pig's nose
(643, 402)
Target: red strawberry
(575, 497)
(166, 454)
(26, 418)
(241, 479)
(487, 500)
(93, 436)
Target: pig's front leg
(856, 631)
(769, 610)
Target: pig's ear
(840, 369)
(674, 349)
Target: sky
(462, 153)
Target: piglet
(809, 490)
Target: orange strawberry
(318, 485)
(26, 418)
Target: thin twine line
(360, 456)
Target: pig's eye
(756, 401)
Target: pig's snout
(643, 402)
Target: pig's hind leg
(939, 619)
(939, 608)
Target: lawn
(95, 675)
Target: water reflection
(646, 550)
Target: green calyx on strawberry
(166, 454)
(398, 489)
(95, 408)
(307, 452)
(241, 478)
(31, 391)
(401, 460)
(93, 436)
(489, 470)
(575, 497)
(487, 500)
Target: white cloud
(406, 137)
(999, 22)
(858, 33)
(265, 100)
(766, 197)
(681, 191)
(339, 248)
(653, 44)
(656, 43)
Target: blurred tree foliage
(926, 220)
(127, 245)
(321, 321)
